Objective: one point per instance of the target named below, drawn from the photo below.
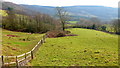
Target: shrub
(67, 32)
(57, 33)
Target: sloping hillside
(89, 48)
(16, 43)
(104, 13)
(3, 13)
(17, 8)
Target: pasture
(16, 43)
(73, 22)
(89, 48)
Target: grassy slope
(3, 12)
(17, 45)
(90, 47)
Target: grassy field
(72, 22)
(89, 48)
(16, 43)
(3, 13)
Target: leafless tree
(63, 16)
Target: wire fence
(22, 59)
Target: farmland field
(16, 43)
(89, 48)
(73, 22)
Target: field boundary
(24, 58)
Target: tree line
(92, 23)
(37, 23)
(40, 23)
(97, 24)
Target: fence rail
(22, 59)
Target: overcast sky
(109, 3)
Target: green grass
(89, 48)
(3, 13)
(17, 45)
(73, 22)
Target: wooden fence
(22, 59)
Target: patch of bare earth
(12, 36)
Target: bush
(67, 32)
(103, 28)
(61, 34)
(57, 33)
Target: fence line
(22, 59)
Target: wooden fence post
(16, 62)
(8, 60)
(31, 54)
(25, 56)
(2, 60)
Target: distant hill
(5, 6)
(17, 8)
(104, 13)
(42, 9)
(77, 12)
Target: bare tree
(63, 16)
